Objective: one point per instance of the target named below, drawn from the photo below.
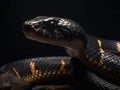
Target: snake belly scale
(100, 56)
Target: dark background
(99, 18)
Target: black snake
(100, 56)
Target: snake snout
(26, 27)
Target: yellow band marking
(99, 43)
(62, 67)
(118, 47)
(16, 72)
(62, 62)
(101, 51)
(35, 73)
(32, 67)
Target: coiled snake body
(100, 57)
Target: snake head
(55, 30)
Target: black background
(99, 18)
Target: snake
(99, 57)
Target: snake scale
(99, 56)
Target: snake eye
(36, 27)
